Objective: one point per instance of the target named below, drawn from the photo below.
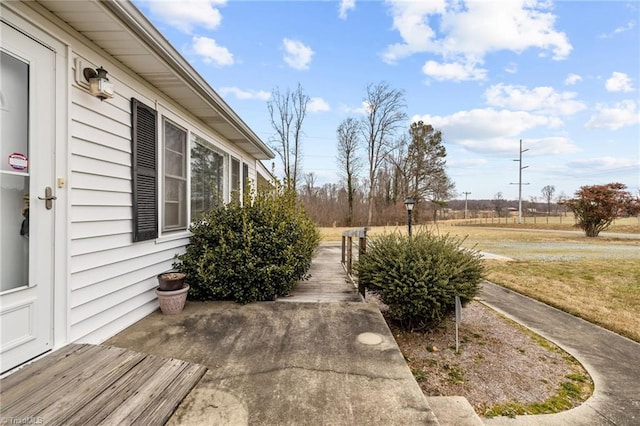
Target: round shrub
(419, 277)
(250, 252)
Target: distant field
(565, 223)
(597, 279)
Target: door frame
(43, 30)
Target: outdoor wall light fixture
(409, 203)
(99, 84)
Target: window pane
(175, 138)
(175, 182)
(235, 179)
(174, 164)
(173, 189)
(208, 182)
(171, 214)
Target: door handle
(48, 198)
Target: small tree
(350, 164)
(385, 113)
(547, 193)
(595, 207)
(287, 112)
(498, 203)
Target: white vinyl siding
(112, 279)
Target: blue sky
(562, 76)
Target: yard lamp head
(409, 203)
(99, 84)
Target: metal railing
(348, 236)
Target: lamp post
(409, 203)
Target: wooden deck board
(87, 384)
(327, 283)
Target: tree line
(381, 162)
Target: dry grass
(602, 291)
(559, 223)
(597, 279)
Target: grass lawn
(597, 279)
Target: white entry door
(27, 207)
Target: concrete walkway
(289, 362)
(612, 361)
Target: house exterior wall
(108, 280)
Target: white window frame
(209, 141)
(183, 194)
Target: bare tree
(498, 203)
(348, 160)
(309, 184)
(384, 115)
(287, 112)
(547, 193)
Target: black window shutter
(144, 136)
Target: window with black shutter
(145, 171)
(245, 178)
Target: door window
(14, 173)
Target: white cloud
(511, 68)
(454, 71)
(318, 105)
(627, 27)
(621, 114)
(245, 94)
(362, 109)
(540, 99)
(490, 131)
(553, 145)
(603, 163)
(572, 79)
(210, 52)
(619, 82)
(297, 55)
(187, 14)
(466, 163)
(469, 30)
(345, 6)
(487, 123)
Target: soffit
(123, 32)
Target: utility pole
(465, 203)
(520, 168)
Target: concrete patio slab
(274, 363)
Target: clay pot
(170, 281)
(172, 302)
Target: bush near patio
(250, 252)
(418, 277)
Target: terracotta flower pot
(172, 302)
(169, 281)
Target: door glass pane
(14, 173)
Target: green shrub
(419, 277)
(250, 252)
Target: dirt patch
(501, 368)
